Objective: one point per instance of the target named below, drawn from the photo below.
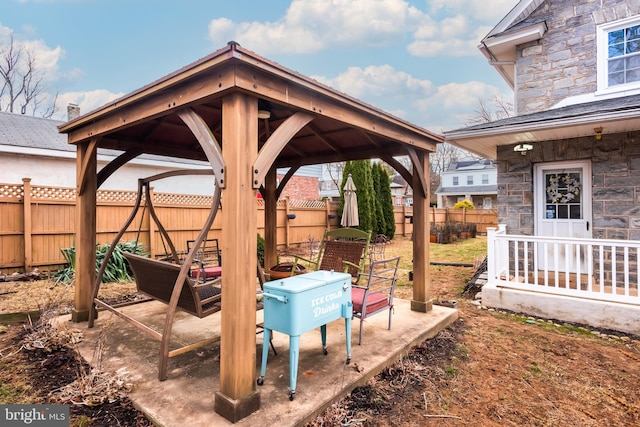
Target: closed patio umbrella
(350, 210)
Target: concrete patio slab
(187, 396)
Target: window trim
(602, 49)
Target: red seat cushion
(207, 272)
(375, 300)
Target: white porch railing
(607, 270)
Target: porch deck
(187, 396)
(588, 281)
(573, 282)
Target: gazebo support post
(86, 188)
(421, 278)
(238, 396)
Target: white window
(487, 203)
(469, 179)
(485, 178)
(619, 55)
(455, 180)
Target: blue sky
(415, 59)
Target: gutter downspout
(494, 62)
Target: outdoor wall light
(291, 216)
(523, 148)
(264, 114)
(598, 132)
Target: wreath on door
(563, 189)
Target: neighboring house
(568, 163)
(31, 147)
(473, 180)
(331, 173)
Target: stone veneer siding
(615, 168)
(563, 63)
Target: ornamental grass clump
(117, 269)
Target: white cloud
(87, 101)
(378, 81)
(485, 10)
(46, 58)
(452, 105)
(310, 26)
(391, 90)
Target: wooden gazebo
(246, 116)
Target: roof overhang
(484, 141)
(501, 49)
(343, 128)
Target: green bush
(117, 269)
(261, 250)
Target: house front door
(562, 209)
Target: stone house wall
(563, 62)
(615, 168)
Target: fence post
(149, 220)
(28, 242)
(404, 220)
(286, 222)
(327, 209)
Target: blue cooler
(300, 303)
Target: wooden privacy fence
(37, 221)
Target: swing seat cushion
(207, 272)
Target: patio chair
(376, 295)
(342, 249)
(377, 247)
(208, 259)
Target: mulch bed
(49, 371)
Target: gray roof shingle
(627, 103)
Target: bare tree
(488, 111)
(335, 172)
(22, 82)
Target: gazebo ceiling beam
(333, 158)
(153, 147)
(322, 138)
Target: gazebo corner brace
(207, 141)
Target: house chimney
(73, 111)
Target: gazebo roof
(343, 128)
(181, 116)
